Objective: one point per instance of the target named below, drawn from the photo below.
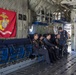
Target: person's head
(48, 36)
(60, 29)
(36, 36)
(58, 36)
(41, 37)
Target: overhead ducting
(37, 4)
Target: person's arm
(47, 43)
(35, 45)
(66, 34)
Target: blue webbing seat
(3, 55)
(28, 50)
(12, 54)
(20, 51)
(17, 48)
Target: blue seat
(18, 48)
(21, 52)
(3, 55)
(28, 50)
(12, 54)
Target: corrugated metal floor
(65, 66)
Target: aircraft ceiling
(37, 4)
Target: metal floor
(65, 66)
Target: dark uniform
(51, 49)
(38, 50)
(63, 42)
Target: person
(41, 43)
(59, 45)
(52, 49)
(39, 50)
(63, 40)
(53, 37)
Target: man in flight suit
(63, 40)
(40, 51)
(52, 49)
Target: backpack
(63, 37)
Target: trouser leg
(56, 52)
(61, 51)
(52, 55)
(66, 49)
(45, 53)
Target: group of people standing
(52, 48)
